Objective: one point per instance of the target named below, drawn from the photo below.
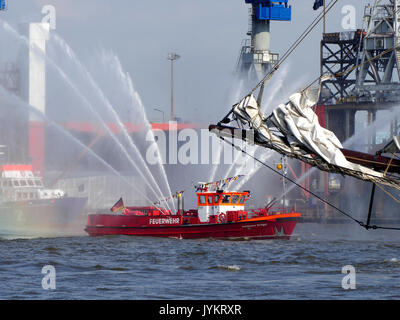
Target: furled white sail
(293, 129)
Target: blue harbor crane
(255, 58)
(3, 5)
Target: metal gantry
(369, 54)
(365, 64)
(339, 52)
(379, 71)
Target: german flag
(119, 205)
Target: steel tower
(255, 57)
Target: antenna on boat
(271, 203)
(181, 207)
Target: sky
(206, 34)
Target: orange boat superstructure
(220, 214)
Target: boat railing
(191, 213)
(146, 211)
(277, 210)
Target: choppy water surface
(119, 267)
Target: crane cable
(361, 223)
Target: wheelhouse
(212, 203)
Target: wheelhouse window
(30, 182)
(23, 183)
(235, 199)
(202, 199)
(226, 199)
(242, 199)
(216, 199)
(16, 183)
(210, 199)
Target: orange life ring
(222, 218)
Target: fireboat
(220, 214)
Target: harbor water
(309, 266)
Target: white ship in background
(25, 202)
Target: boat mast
(284, 171)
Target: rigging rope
(339, 74)
(389, 194)
(373, 162)
(390, 162)
(362, 224)
(300, 39)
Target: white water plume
(216, 157)
(264, 157)
(12, 100)
(219, 153)
(71, 55)
(278, 84)
(24, 39)
(235, 161)
(276, 89)
(126, 88)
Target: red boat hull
(269, 227)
